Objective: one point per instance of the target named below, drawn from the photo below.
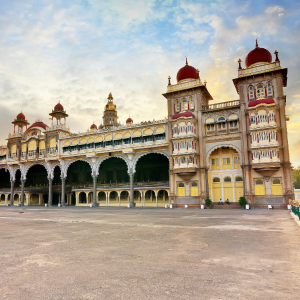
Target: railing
(57, 127)
(221, 105)
(296, 211)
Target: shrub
(208, 202)
(242, 201)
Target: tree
(296, 176)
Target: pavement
(148, 253)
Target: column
(77, 199)
(12, 192)
(50, 192)
(22, 191)
(131, 176)
(156, 198)
(95, 190)
(63, 191)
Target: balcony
(220, 106)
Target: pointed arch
(136, 159)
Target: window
(216, 179)
(271, 117)
(276, 187)
(253, 119)
(221, 125)
(254, 137)
(226, 161)
(220, 119)
(182, 129)
(259, 187)
(273, 135)
(262, 118)
(260, 91)
(274, 153)
(194, 189)
(215, 161)
(239, 178)
(190, 145)
(184, 105)
(181, 185)
(251, 92)
(182, 145)
(190, 159)
(176, 160)
(183, 160)
(192, 104)
(236, 159)
(180, 189)
(269, 89)
(255, 154)
(210, 127)
(177, 106)
(227, 179)
(233, 124)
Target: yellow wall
(32, 145)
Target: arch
(5, 178)
(159, 130)
(66, 167)
(227, 179)
(220, 145)
(127, 135)
(113, 196)
(239, 178)
(150, 195)
(26, 169)
(101, 197)
(250, 92)
(82, 197)
(260, 91)
(162, 195)
(233, 117)
(82, 141)
(32, 145)
(124, 196)
(135, 161)
(209, 120)
(216, 179)
(221, 119)
(101, 160)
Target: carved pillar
(94, 190)
(132, 204)
(63, 191)
(50, 192)
(22, 191)
(12, 192)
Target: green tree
(296, 176)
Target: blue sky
(78, 51)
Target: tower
(188, 184)
(110, 117)
(20, 121)
(58, 113)
(267, 168)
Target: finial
(169, 80)
(256, 43)
(205, 82)
(276, 53)
(186, 62)
(110, 97)
(239, 61)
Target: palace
(223, 150)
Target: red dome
(93, 126)
(185, 115)
(38, 124)
(58, 106)
(265, 101)
(187, 72)
(258, 55)
(129, 120)
(21, 116)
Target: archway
(18, 179)
(102, 198)
(150, 196)
(162, 196)
(225, 177)
(82, 198)
(4, 179)
(2, 199)
(113, 170)
(152, 167)
(124, 196)
(16, 198)
(137, 196)
(79, 174)
(36, 176)
(113, 197)
(34, 199)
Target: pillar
(22, 191)
(12, 192)
(156, 199)
(50, 192)
(131, 176)
(77, 199)
(63, 191)
(94, 190)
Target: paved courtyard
(121, 253)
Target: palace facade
(223, 150)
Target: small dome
(58, 106)
(21, 116)
(39, 124)
(93, 127)
(258, 55)
(187, 72)
(129, 121)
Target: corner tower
(188, 183)
(267, 168)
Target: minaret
(20, 122)
(110, 117)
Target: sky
(78, 51)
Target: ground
(144, 253)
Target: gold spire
(110, 104)
(110, 97)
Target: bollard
(171, 205)
(202, 206)
(186, 206)
(166, 206)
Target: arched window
(260, 91)
(184, 105)
(221, 121)
(181, 189)
(239, 178)
(276, 181)
(259, 187)
(181, 184)
(269, 89)
(276, 187)
(251, 92)
(194, 189)
(216, 179)
(262, 117)
(227, 179)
